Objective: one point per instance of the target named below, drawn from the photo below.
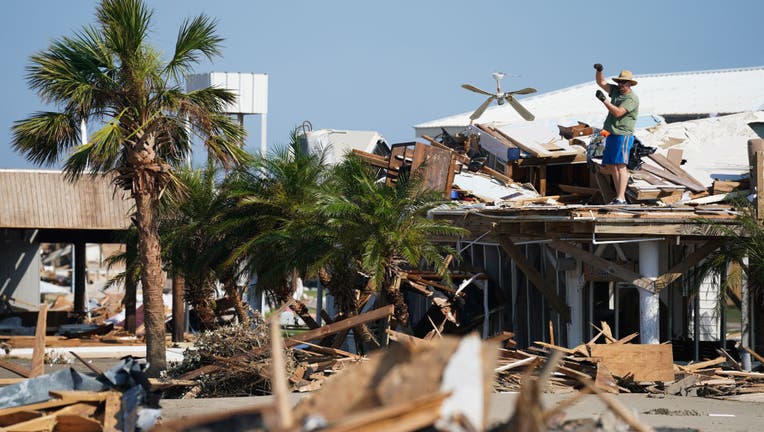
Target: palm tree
(109, 73)
(274, 224)
(381, 230)
(195, 247)
(744, 246)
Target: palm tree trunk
(178, 307)
(146, 200)
(233, 293)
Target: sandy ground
(678, 413)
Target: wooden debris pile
(67, 411)
(236, 361)
(618, 366)
(122, 398)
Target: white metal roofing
(702, 92)
(715, 148)
(337, 143)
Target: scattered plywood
(643, 362)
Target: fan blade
(524, 91)
(519, 108)
(478, 112)
(476, 90)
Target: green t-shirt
(623, 125)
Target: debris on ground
(66, 400)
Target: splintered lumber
(76, 423)
(16, 368)
(754, 354)
(535, 277)
(604, 380)
(404, 416)
(466, 160)
(694, 367)
(516, 364)
(643, 362)
(404, 338)
(112, 406)
(684, 181)
(278, 375)
(38, 354)
(675, 169)
(338, 326)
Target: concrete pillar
(649, 324)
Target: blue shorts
(617, 149)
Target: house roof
(38, 199)
(701, 92)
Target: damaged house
(554, 259)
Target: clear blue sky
(388, 65)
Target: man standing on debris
(623, 109)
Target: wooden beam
(535, 277)
(668, 175)
(613, 269)
(675, 156)
(38, 352)
(16, 368)
(675, 169)
(338, 326)
(678, 270)
(371, 159)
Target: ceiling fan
(500, 97)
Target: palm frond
(196, 37)
(45, 137)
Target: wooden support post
(80, 277)
(542, 179)
(131, 290)
(38, 353)
(278, 376)
(755, 152)
(535, 277)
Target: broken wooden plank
(537, 280)
(16, 368)
(111, 409)
(691, 185)
(693, 367)
(338, 326)
(403, 416)
(38, 353)
(611, 268)
(690, 261)
(94, 369)
(675, 156)
(76, 423)
(675, 169)
(516, 364)
(404, 338)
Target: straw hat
(626, 75)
